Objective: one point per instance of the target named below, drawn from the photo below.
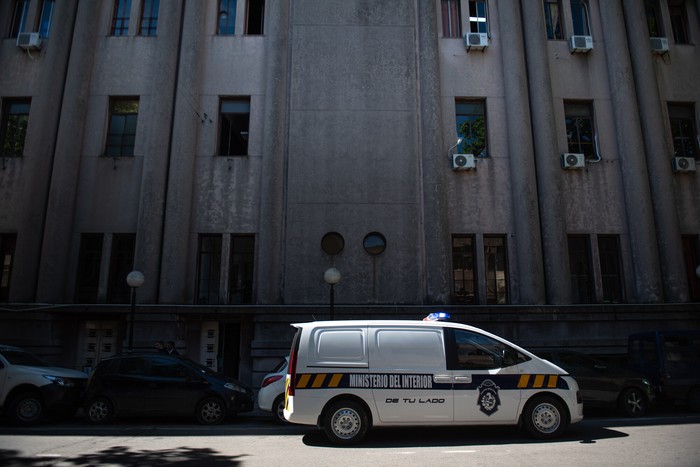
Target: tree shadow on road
(124, 456)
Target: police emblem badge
(488, 397)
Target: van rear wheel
(544, 417)
(345, 422)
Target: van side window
(402, 349)
(340, 346)
(473, 351)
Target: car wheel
(544, 417)
(278, 410)
(694, 399)
(99, 410)
(211, 411)
(345, 422)
(26, 408)
(633, 402)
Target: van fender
(349, 397)
(524, 401)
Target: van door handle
(442, 378)
(463, 379)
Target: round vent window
(332, 243)
(374, 243)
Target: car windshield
(20, 357)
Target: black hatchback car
(603, 385)
(163, 385)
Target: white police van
(347, 376)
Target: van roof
(404, 323)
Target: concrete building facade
(233, 151)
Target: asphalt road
(666, 438)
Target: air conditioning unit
(463, 162)
(29, 40)
(581, 44)
(570, 160)
(476, 40)
(659, 45)
(683, 164)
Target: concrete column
(526, 219)
(271, 231)
(548, 166)
(630, 145)
(63, 159)
(658, 154)
(178, 183)
(436, 238)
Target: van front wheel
(345, 422)
(544, 417)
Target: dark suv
(155, 384)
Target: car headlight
(234, 387)
(60, 381)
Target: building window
(7, 253)
(610, 271)
(88, 274)
(208, 269)
(580, 265)
(19, 17)
(226, 25)
(121, 263)
(13, 132)
(45, 20)
(463, 270)
(255, 17)
(121, 135)
(495, 269)
(478, 11)
(580, 17)
(451, 18)
(580, 133)
(471, 127)
(120, 17)
(149, 17)
(234, 121)
(552, 19)
(679, 22)
(241, 273)
(691, 254)
(683, 130)
(653, 15)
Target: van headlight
(60, 381)
(234, 387)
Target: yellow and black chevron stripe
(318, 380)
(392, 381)
(538, 381)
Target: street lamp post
(332, 277)
(135, 280)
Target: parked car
(671, 361)
(163, 385)
(30, 388)
(271, 394)
(603, 385)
